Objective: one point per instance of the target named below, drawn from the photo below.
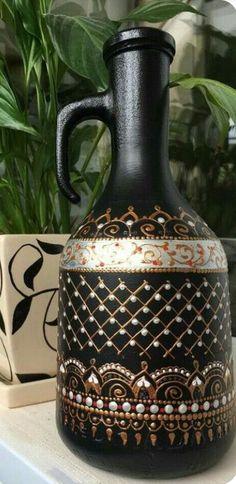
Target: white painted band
(132, 254)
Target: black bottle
(145, 382)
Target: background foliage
(60, 52)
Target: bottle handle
(94, 107)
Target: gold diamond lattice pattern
(187, 317)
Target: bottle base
(143, 463)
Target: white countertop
(31, 452)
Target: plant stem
(65, 214)
(93, 148)
(105, 166)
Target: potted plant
(54, 46)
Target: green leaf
(10, 114)
(29, 13)
(79, 43)
(220, 98)
(159, 11)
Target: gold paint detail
(212, 338)
(124, 437)
(138, 438)
(145, 255)
(198, 402)
(158, 223)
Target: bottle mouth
(139, 38)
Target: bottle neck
(139, 125)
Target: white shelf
(31, 452)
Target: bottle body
(145, 379)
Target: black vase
(145, 383)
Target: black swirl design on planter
(23, 308)
(2, 324)
(3, 350)
(28, 377)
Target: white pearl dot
(140, 408)
(111, 297)
(134, 321)
(112, 320)
(89, 401)
(198, 294)
(113, 406)
(208, 306)
(69, 303)
(199, 318)
(167, 287)
(205, 284)
(82, 330)
(156, 344)
(91, 319)
(69, 327)
(74, 339)
(168, 308)
(126, 406)
(179, 344)
(224, 400)
(194, 407)
(100, 332)
(64, 391)
(157, 297)
(161, 220)
(71, 395)
(216, 403)
(83, 283)
(206, 405)
(166, 331)
(182, 408)
(84, 307)
(75, 316)
(189, 307)
(92, 294)
(154, 408)
(144, 332)
(90, 343)
(156, 320)
(178, 319)
(200, 343)
(169, 409)
(109, 343)
(189, 331)
(122, 309)
(78, 398)
(122, 287)
(101, 285)
(99, 403)
(178, 295)
(76, 293)
(147, 287)
(64, 313)
(188, 285)
(133, 299)
(207, 331)
(122, 331)
(64, 336)
(132, 342)
(101, 307)
(145, 310)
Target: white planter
(28, 307)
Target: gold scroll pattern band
(113, 400)
(144, 255)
